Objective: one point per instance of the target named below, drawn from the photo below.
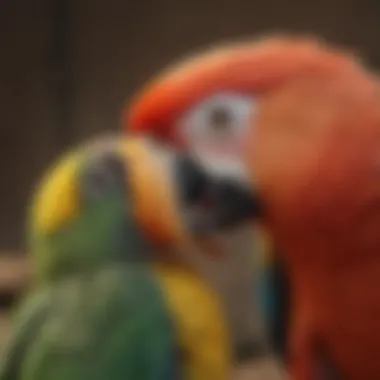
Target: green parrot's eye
(105, 174)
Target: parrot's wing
(27, 324)
(273, 294)
(111, 325)
(274, 289)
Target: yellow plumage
(48, 214)
(198, 318)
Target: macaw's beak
(213, 204)
(175, 199)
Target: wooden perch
(15, 273)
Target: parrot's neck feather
(105, 236)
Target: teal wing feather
(110, 325)
(274, 296)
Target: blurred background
(68, 67)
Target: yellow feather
(201, 327)
(56, 200)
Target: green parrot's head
(113, 200)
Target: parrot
(299, 119)
(110, 300)
(176, 111)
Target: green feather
(102, 231)
(98, 312)
(112, 324)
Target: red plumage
(314, 152)
(315, 155)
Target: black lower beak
(213, 204)
(234, 204)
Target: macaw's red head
(289, 116)
(209, 103)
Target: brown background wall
(66, 67)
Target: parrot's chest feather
(344, 310)
(198, 318)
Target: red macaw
(297, 121)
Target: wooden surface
(261, 370)
(14, 272)
(14, 275)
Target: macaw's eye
(104, 175)
(220, 121)
(215, 130)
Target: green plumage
(103, 230)
(111, 324)
(97, 312)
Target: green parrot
(111, 300)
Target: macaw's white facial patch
(226, 166)
(215, 131)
